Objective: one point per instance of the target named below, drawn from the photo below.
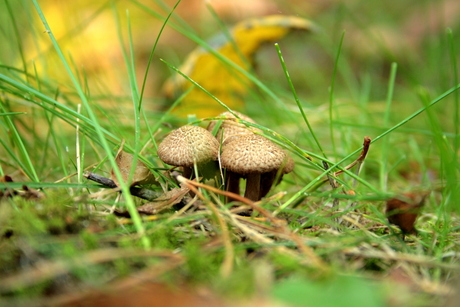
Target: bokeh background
(376, 34)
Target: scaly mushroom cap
(188, 145)
(231, 126)
(251, 153)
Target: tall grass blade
(331, 93)
(297, 100)
(99, 132)
(386, 122)
(17, 141)
(453, 182)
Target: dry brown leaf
(165, 201)
(403, 211)
(142, 174)
(26, 193)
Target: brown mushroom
(268, 179)
(188, 146)
(253, 157)
(232, 126)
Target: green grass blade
(417, 113)
(17, 141)
(297, 100)
(18, 36)
(403, 122)
(453, 183)
(257, 82)
(152, 52)
(331, 93)
(386, 121)
(99, 131)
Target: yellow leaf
(225, 82)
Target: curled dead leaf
(403, 211)
(164, 202)
(142, 174)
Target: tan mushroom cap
(231, 126)
(252, 153)
(288, 164)
(188, 145)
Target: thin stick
(77, 145)
(359, 162)
(362, 156)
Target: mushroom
(267, 179)
(255, 158)
(188, 146)
(232, 126)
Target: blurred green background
(376, 34)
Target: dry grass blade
(227, 265)
(310, 255)
(400, 257)
(362, 156)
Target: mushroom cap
(188, 145)
(288, 164)
(232, 126)
(252, 153)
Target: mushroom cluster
(244, 154)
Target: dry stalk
(281, 224)
(258, 237)
(227, 265)
(400, 257)
(360, 160)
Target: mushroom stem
(253, 186)
(266, 182)
(187, 172)
(233, 183)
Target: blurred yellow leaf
(222, 81)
